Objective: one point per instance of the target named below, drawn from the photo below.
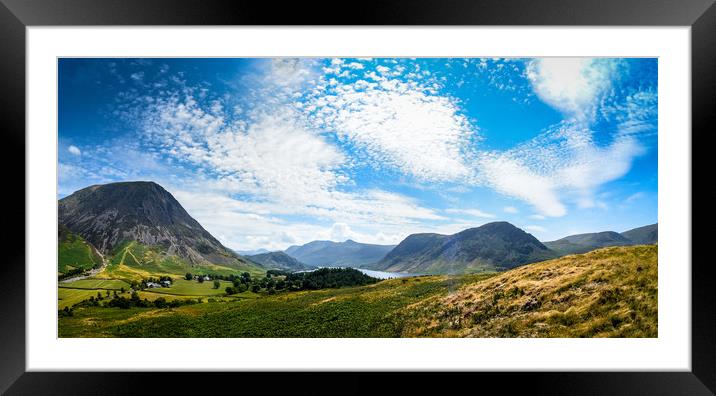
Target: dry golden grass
(610, 292)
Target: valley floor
(610, 292)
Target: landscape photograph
(357, 197)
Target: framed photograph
(440, 188)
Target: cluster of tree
(71, 273)
(125, 303)
(67, 311)
(326, 278)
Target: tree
(160, 302)
(231, 290)
(188, 276)
(201, 279)
(255, 288)
(217, 284)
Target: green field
(347, 312)
(71, 293)
(92, 283)
(70, 297)
(610, 292)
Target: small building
(152, 284)
(166, 283)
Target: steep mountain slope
(74, 253)
(646, 235)
(278, 260)
(112, 215)
(340, 254)
(493, 246)
(582, 243)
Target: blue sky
(266, 153)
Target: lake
(385, 275)
(376, 274)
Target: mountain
(338, 254)
(142, 214)
(279, 260)
(251, 252)
(647, 235)
(493, 246)
(582, 243)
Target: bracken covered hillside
(611, 292)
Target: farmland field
(92, 283)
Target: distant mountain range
(493, 246)
(339, 254)
(251, 252)
(582, 243)
(141, 224)
(111, 215)
(279, 261)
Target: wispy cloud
(471, 212)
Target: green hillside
(645, 235)
(610, 292)
(74, 252)
(135, 261)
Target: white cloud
(510, 209)
(340, 232)
(535, 228)
(289, 71)
(471, 212)
(571, 85)
(403, 125)
(537, 217)
(74, 150)
(563, 164)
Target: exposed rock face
(111, 214)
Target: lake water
(377, 274)
(385, 275)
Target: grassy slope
(75, 252)
(134, 261)
(610, 292)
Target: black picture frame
(16, 15)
